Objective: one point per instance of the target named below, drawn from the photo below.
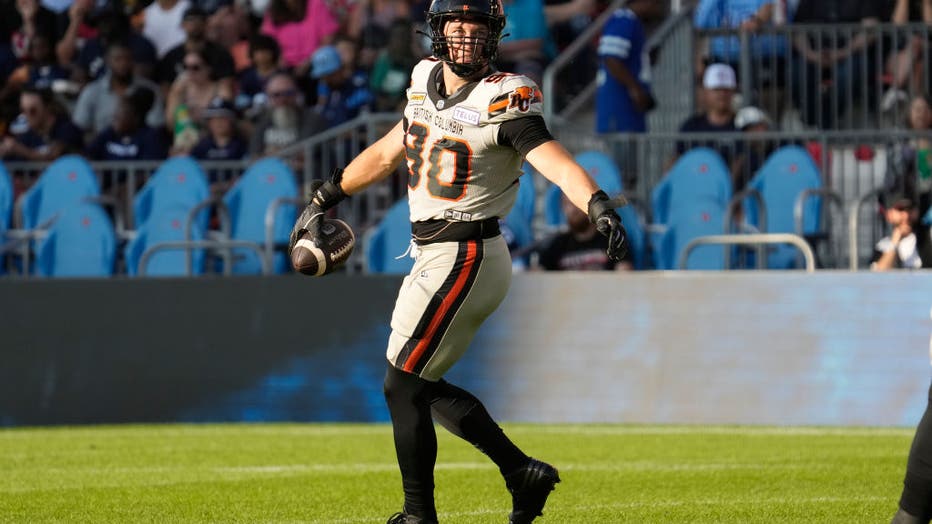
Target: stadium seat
(388, 240)
(784, 176)
(6, 200)
(700, 173)
(66, 181)
(249, 200)
(526, 203)
(178, 182)
(6, 212)
(601, 168)
(165, 225)
(81, 242)
(637, 241)
(701, 217)
(518, 225)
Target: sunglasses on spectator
(193, 67)
(283, 94)
(30, 110)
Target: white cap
(749, 116)
(719, 76)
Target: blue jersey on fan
(622, 38)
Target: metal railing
(834, 76)
(223, 247)
(753, 239)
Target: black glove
(602, 213)
(324, 195)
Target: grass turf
(347, 474)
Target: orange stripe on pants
(444, 307)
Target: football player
(916, 499)
(466, 130)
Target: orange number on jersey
(454, 188)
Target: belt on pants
(433, 231)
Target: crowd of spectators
(214, 79)
(241, 79)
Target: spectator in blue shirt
(128, 137)
(341, 95)
(623, 95)
(48, 133)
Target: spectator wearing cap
(300, 27)
(162, 24)
(341, 95)
(222, 141)
(195, 28)
(718, 93)
(286, 119)
(908, 246)
(97, 103)
(751, 121)
(48, 133)
(128, 137)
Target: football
(331, 250)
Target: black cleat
(404, 518)
(530, 486)
(903, 517)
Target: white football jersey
(456, 168)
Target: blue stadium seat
(81, 242)
(64, 182)
(388, 240)
(178, 182)
(518, 225)
(249, 200)
(6, 201)
(700, 173)
(601, 168)
(784, 176)
(6, 210)
(165, 225)
(637, 241)
(701, 217)
(526, 202)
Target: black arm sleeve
(524, 134)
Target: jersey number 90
(440, 182)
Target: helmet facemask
(483, 48)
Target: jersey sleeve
(517, 96)
(616, 38)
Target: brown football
(332, 249)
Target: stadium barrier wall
(688, 347)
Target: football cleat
(404, 518)
(530, 486)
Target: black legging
(410, 401)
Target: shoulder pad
(515, 96)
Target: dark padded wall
(154, 350)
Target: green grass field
(347, 474)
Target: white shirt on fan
(163, 27)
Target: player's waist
(433, 231)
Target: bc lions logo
(522, 98)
